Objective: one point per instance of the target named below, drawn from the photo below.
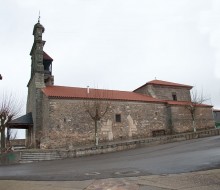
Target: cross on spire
(39, 17)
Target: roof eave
(173, 86)
(124, 100)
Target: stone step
(39, 157)
(25, 161)
(27, 157)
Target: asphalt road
(185, 156)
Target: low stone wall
(120, 146)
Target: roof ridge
(168, 82)
(164, 83)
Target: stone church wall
(182, 121)
(69, 125)
(44, 131)
(34, 105)
(138, 120)
(165, 93)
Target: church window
(118, 117)
(174, 96)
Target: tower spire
(39, 17)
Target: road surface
(185, 156)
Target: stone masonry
(68, 117)
(36, 83)
(181, 120)
(68, 121)
(165, 92)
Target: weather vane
(39, 17)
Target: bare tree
(96, 105)
(9, 109)
(196, 101)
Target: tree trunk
(194, 127)
(193, 120)
(96, 133)
(3, 138)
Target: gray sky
(114, 44)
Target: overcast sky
(114, 44)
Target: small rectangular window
(118, 117)
(174, 96)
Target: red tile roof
(62, 92)
(165, 83)
(46, 56)
(215, 110)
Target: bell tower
(41, 62)
(41, 76)
(37, 50)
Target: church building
(65, 117)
